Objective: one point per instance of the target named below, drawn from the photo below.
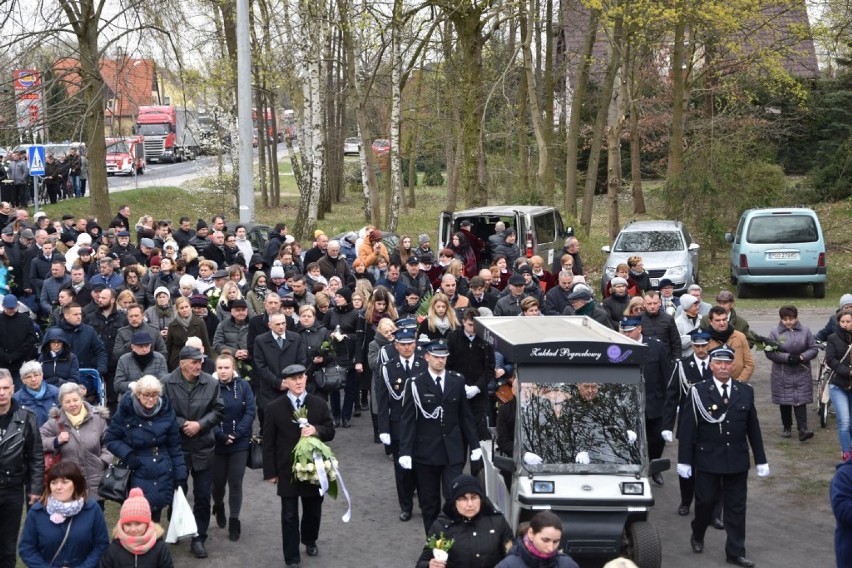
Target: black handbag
(115, 484)
(331, 378)
(255, 453)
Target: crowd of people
(194, 335)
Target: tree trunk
(615, 119)
(635, 141)
(548, 181)
(543, 161)
(396, 118)
(675, 164)
(572, 141)
(523, 183)
(600, 124)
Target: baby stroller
(91, 379)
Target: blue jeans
(75, 184)
(350, 394)
(842, 402)
(202, 484)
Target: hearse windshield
(567, 424)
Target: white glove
(667, 435)
(583, 458)
(475, 454)
(631, 436)
(405, 462)
(532, 459)
(471, 391)
(763, 470)
(385, 439)
(683, 470)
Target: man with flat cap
(688, 371)
(435, 429)
(281, 433)
(583, 304)
(198, 408)
(140, 361)
(403, 363)
(716, 428)
(510, 304)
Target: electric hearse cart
(580, 449)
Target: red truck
(170, 133)
(125, 155)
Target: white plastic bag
(182, 524)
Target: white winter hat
(845, 300)
(687, 301)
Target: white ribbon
(319, 463)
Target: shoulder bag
(115, 484)
(255, 453)
(330, 378)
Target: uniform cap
(629, 324)
(405, 335)
(438, 349)
(722, 353)
(699, 337)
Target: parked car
(778, 246)
(539, 229)
(381, 147)
(351, 146)
(666, 248)
(256, 233)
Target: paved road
(168, 174)
(786, 525)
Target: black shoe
(311, 549)
(739, 561)
(335, 422)
(697, 545)
(197, 549)
(219, 512)
(356, 410)
(376, 439)
(786, 433)
(718, 524)
(234, 529)
(291, 566)
(658, 479)
(346, 423)
(683, 510)
(805, 435)
(405, 516)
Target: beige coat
(743, 358)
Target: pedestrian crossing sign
(35, 157)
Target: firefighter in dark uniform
(403, 363)
(436, 427)
(688, 371)
(714, 431)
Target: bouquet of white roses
(313, 461)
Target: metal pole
(35, 192)
(246, 161)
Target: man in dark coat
(556, 299)
(436, 428)
(273, 245)
(282, 434)
(83, 339)
(198, 409)
(273, 351)
(121, 219)
(688, 371)
(656, 370)
(18, 339)
(473, 358)
(713, 445)
(107, 320)
(215, 251)
(403, 363)
(21, 465)
(317, 251)
(656, 323)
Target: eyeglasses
(637, 310)
(151, 395)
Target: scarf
(721, 336)
(39, 394)
(261, 291)
(60, 511)
(377, 317)
(143, 412)
(163, 312)
(530, 546)
(77, 420)
(442, 324)
(143, 360)
(184, 322)
(137, 545)
(587, 308)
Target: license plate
(655, 282)
(783, 256)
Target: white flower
(303, 422)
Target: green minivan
(779, 246)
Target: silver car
(666, 248)
(351, 146)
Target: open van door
(445, 229)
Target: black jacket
(839, 359)
(21, 456)
(480, 542)
(269, 361)
(390, 391)
(656, 370)
(116, 556)
(663, 327)
(202, 404)
(18, 341)
(474, 360)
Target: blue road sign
(35, 157)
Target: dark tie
(407, 368)
(438, 382)
(704, 369)
(298, 403)
(280, 341)
(725, 393)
